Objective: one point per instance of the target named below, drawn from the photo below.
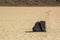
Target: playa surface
(16, 23)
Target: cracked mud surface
(16, 23)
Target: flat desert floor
(16, 23)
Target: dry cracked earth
(29, 3)
(16, 23)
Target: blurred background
(29, 3)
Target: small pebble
(39, 27)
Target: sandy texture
(29, 3)
(16, 23)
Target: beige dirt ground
(16, 23)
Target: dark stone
(42, 26)
(39, 27)
(36, 28)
